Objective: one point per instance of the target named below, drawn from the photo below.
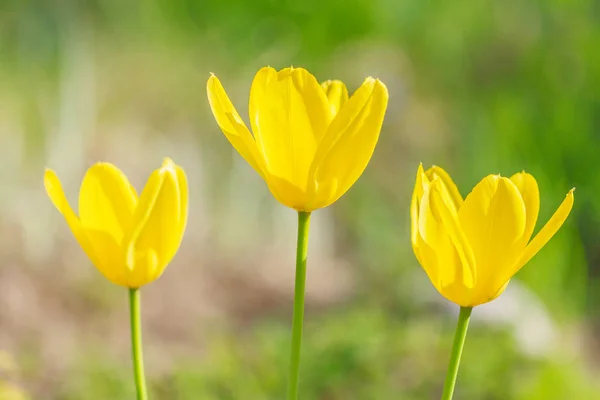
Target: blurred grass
(478, 87)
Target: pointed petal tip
(50, 178)
(167, 164)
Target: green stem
(136, 344)
(459, 342)
(301, 255)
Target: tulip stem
(136, 344)
(459, 342)
(298, 318)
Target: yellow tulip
(130, 240)
(471, 248)
(309, 142)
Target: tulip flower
(310, 142)
(130, 239)
(471, 248)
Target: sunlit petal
(57, 196)
(232, 125)
(493, 220)
(449, 185)
(289, 114)
(348, 144)
(337, 95)
(157, 230)
(530, 193)
(106, 200)
(546, 233)
(443, 208)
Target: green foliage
(362, 353)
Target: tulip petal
(57, 196)
(184, 199)
(530, 193)
(493, 220)
(106, 200)
(336, 93)
(443, 207)
(232, 125)
(546, 233)
(157, 230)
(426, 256)
(110, 256)
(147, 268)
(415, 207)
(348, 144)
(450, 186)
(289, 114)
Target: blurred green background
(476, 86)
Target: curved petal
(57, 196)
(530, 193)
(159, 223)
(546, 233)
(348, 144)
(232, 125)
(288, 194)
(493, 220)
(337, 95)
(184, 200)
(443, 207)
(106, 200)
(111, 257)
(147, 269)
(415, 205)
(450, 186)
(430, 262)
(289, 114)
(424, 254)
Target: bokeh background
(476, 86)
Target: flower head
(471, 248)
(309, 142)
(130, 239)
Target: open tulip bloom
(310, 143)
(130, 239)
(471, 248)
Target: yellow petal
(348, 144)
(110, 256)
(415, 205)
(493, 220)
(288, 194)
(530, 193)
(289, 114)
(430, 261)
(424, 254)
(159, 223)
(453, 275)
(336, 93)
(544, 235)
(57, 196)
(232, 125)
(449, 185)
(106, 200)
(443, 209)
(184, 199)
